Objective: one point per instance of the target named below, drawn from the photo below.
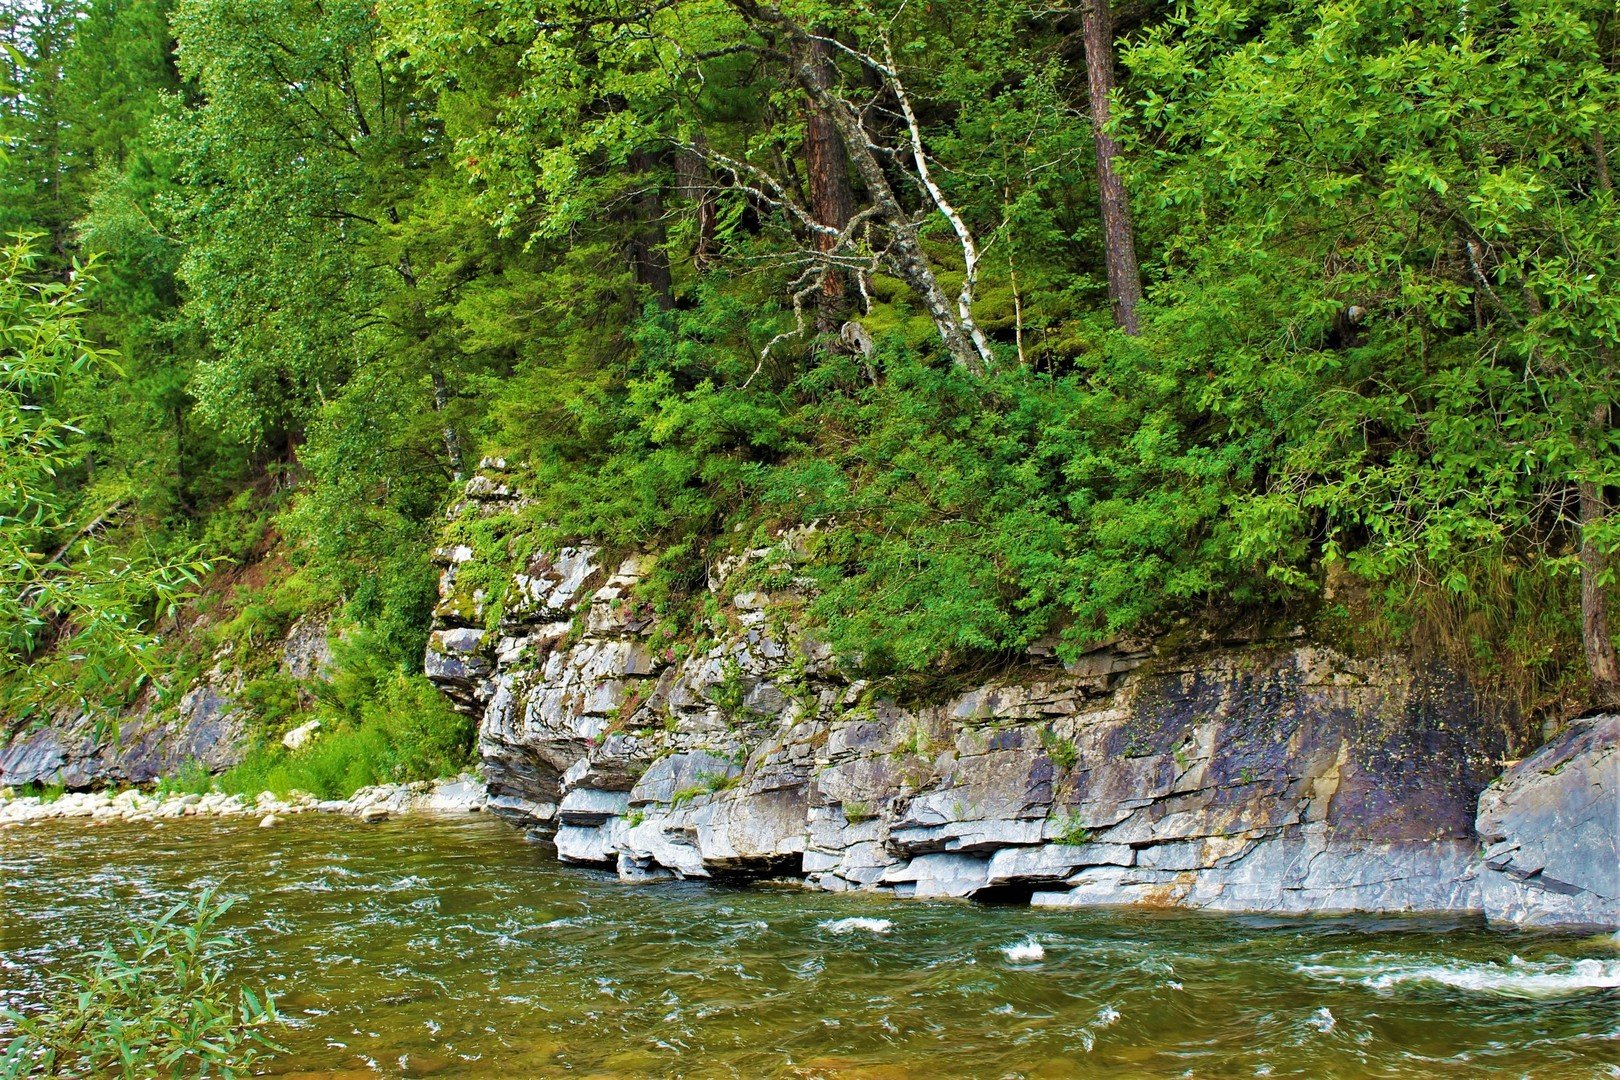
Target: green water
(452, 948)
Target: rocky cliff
(202, 728)
(1275, 777)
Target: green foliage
(60, 586)
(1061, 751)
(708, 783)
(717, 782)
(1407, 310)
(351, 246)
(163, 1009)
(262, 617)
(1072, 832)
(916, 742)
(728, 694)
(379, 724)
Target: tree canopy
(1054, 321)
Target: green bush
(163, 1010)
(379, 724)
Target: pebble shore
(463, 794)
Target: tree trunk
(649, 256)
(1119, 238)
(904, 254)
(694, 183)
(1601, 660)
(826, 160)
(452, 441)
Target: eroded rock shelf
(1272, 777)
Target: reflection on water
(451, 948)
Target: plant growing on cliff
(714, 783)
(856, 811)
(1062, 751)
(163, 1009)
(916, 742)
(1072, 830)
(708, 783)
(729, 693)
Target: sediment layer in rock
(1281, 777)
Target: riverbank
(1246, 771)
(458, 795)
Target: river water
(451, 948)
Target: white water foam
(1028, 951)
(850, 925)
(1516, 978)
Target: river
(449, 947)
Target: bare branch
(970, 249)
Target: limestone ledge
(1264, 777)
(464, 794)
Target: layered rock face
(204, 729)
(1272, 778)
(88, 750)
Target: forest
(1056, 322)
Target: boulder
(302, 735)
(1550, 830)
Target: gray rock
(300, 736)
(1053, 863)
(591, 806)
(307, 651)
(938, 875)
(205, 729)
(684, 775)
(456, 656)
(1550, 827)
(33, 757)
(597, 844)
(462, 795)
(1273, 777)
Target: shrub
(1062, 752)
(379, 724)
(164, 1010)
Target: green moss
(857, 811)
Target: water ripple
(453, 949)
